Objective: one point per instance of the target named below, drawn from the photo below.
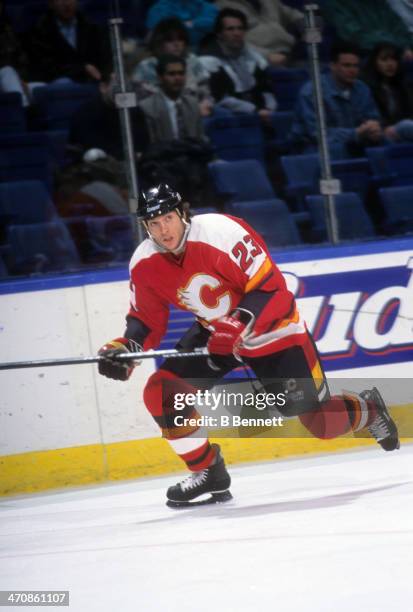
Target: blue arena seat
(281, 123)
(25, 156)
(25, 202)
(377, 160)
(398, 205)
(286, 83)
(392, 165)
(240, 180)
(354, 174)
(270, 218)
(113, 235)
(41, 247)
(399, 160)
(237, 136)
(302, 175)
(56, 104)
(12, 114)
(353, 220)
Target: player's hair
(229, 12)
(186, 210)
(165, 60)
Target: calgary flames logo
(204, 296)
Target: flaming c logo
(201, 296)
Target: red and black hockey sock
(188, 440)
(338, 416)
(199, 458)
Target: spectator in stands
(197, 15)
(170, 37)
(13, 60)
(65, 45)
(392, 90)
(171, 113)
(96, 124)
(352, 118)
(239, 79)
(179, 150)
(404, 9)
(272, 26)
(367, 23)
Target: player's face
(346, 68)
(167, 230)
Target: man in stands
(219, 268)
(65, 45)
(239, 79)
(171, 112)
(352, 117)
(171, 37)
(179, 150)
(273, 27)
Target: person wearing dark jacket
(352, 119)
(391, 89)
(64, 44)
(172, 113)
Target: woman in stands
(392, 90)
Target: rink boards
(67, 425)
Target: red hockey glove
(229, 332)
(110, 366)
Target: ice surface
(331, 533)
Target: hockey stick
(174, 353)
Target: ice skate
(213, 481)
(383, 428)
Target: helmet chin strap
(179, 248)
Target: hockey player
(218, 268)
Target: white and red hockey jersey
(225, 264)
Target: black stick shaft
(40, 363)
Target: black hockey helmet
(158, 201)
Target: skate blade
(216, 498)
(390, 445)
